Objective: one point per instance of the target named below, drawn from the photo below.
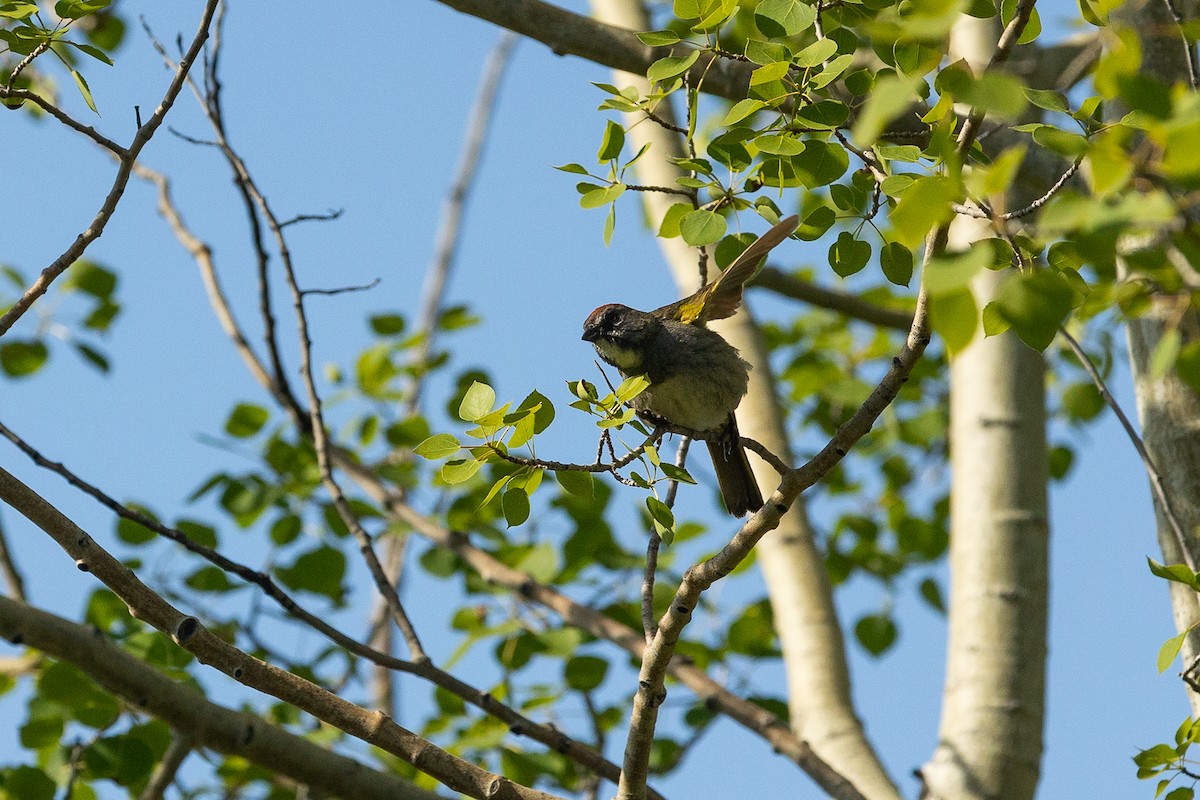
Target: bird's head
(619, 334)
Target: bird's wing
(721, 296)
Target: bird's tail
(739, 489)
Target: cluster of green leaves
(1167, 758)
(25, 32)
(87, 282)
(501, 431)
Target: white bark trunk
(990, 739)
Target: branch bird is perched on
(696, 377)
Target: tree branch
(1157, 484)
(372, 727)
(450, 226)
(519, 724)
(126, 157)
(851, 305)
(12, 575)
(194, 717)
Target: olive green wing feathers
(721, 297)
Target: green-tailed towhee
(696, 377)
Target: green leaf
(823, 115)
(574, 169)
(768, 73)
(676, 473)
(83, 89)
(931, 593)
(1179, 573)
(94, 52)
(896, 260)
(584, 673)
(319, 571)
(784, 17)
(659, 38)
(74, 9)
(91, 355)
(210, 579)
(460, 470)
(1169, 650)
(660, 513)
(27, 783)
(438, 447)
(516, 507)
(923, 205)
(820, 164)
(388, 324)
(666, 68)
(702, 227)
(876, 632)
(18, 11)
(816, 53)
(780, 144)
(742, 109)
(848, 255)
(91, 278)
(478, 401)
(1157, 756)
(994, 322)
(246, 420)
(631, 387)
(601, 196)
(611, 144)
(955, 317)
(890, 97)
(816, 223)
(1035, 304)
(580, 484)
(1082, 400)
(20, 358)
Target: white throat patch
(625, 359)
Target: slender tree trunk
(1169, 410)
(990, 738)
(793, 568)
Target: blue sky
(359, 114)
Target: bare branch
(188, 632)
(127, 157)
(191, 714)
(329, 216)
(343, 289)
(842, 302)
(438, 273)
(12, 575)
(182, 745)
(986, 213)
(1157, 484)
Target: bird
(696, 378)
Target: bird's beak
(591, 333)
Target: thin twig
(12, 575)
(984, 212)
(453, 211)
(164, 774)
(127, 157)
(329, 216)
(650, 570)
(1192, 67)
(1157, 484)
(27, 60)
(343, 289)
